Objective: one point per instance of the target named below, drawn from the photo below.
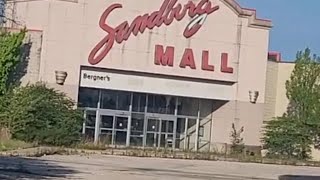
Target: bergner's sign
(169, 11)
(95, 77)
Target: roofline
(251, 14)
(275, 56)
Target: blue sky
(296, 24)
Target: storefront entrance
(119, 118)
(113, 129)
(160, 132)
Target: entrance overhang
(157, 84)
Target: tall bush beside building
(10, 54)
(293, 135)
(33, 113)
(43, 115)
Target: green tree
(286, 138)
(10, 54)
(36, 113)
(293, 134)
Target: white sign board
(156, 85)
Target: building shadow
(12, 168)
(22, 67)
(298, 177)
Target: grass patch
(7, 145)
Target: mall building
(161, 73)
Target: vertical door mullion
(129, 122)
(113, 130)
(185, 133)
(159, 132)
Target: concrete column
(197, 135)
(145, 125)
(129, 122)
(159, 132)
(174, 134)
(175, 126)
(197, 131)
(185, 134)
(84, 122)
(97, 126)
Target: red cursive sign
(168, 12)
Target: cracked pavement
(99, 167)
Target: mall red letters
(165, 57)
(205, 62)
(162, 57)
(188, 59)
(224, 64)
(169, 11)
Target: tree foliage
(39, 114)
(10, 54)
(286, 138)
(293, 134)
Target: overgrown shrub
(237, 146)
(287, 139)
(36, 113)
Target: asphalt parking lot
(98, 167)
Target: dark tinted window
(115, 100)
(161, 104)
(188, 106)
(139, 102)
(108, 99)
(88, 97)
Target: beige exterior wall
(70, 31)
(284, 74)
(278, 73)
(29, 68)
(271, 90)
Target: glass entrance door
(120, 130)
(113, 129)
(160, 133)
(106, 129)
